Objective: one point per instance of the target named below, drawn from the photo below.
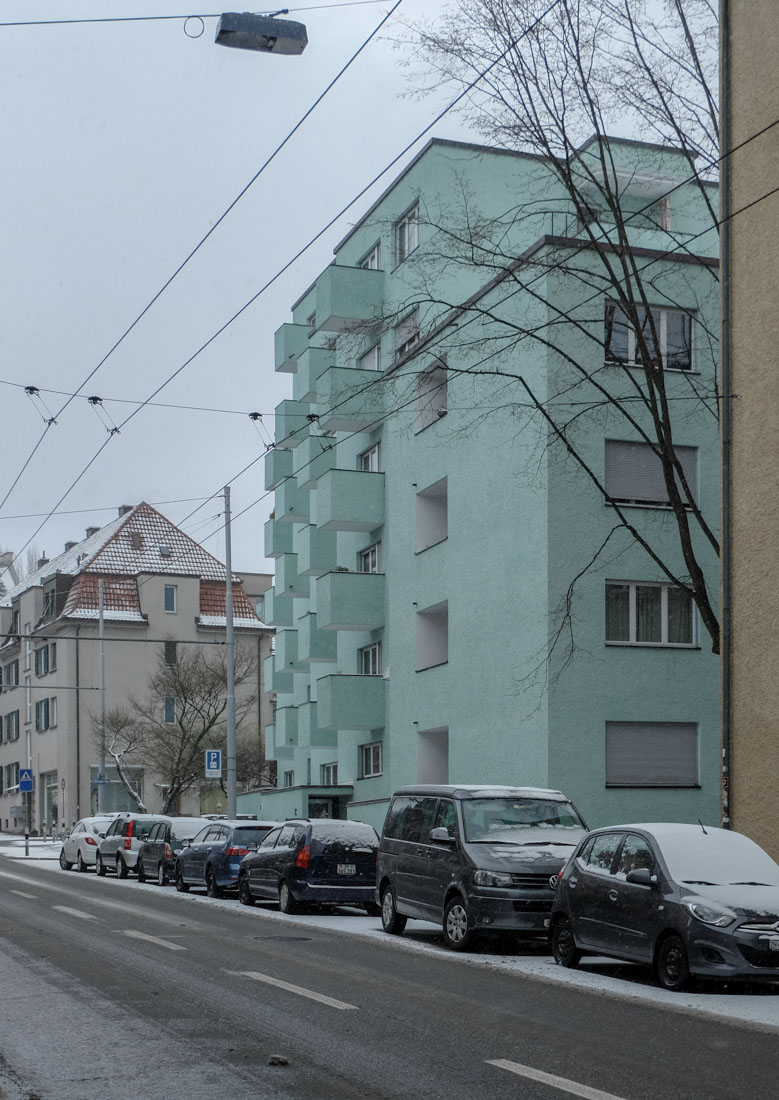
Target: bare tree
(181, 715)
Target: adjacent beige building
(161, 593)
(750, 174)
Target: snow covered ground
(752, 1004)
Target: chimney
(92, 531)
(69, 546)
(124, 509)
(42, 561)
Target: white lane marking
(155, 939)
(74, 912)
(561, 1083)
(292, 988)
(22, 894)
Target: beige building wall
(754, 382)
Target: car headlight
(492, 878)
(709, 913)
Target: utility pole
(232, 804)
(101, 635)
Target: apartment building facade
(455, 599)
(163, 595)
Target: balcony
(351, 702)
(317, 551)
(287, 653)
(278, 539)
(311, 365)
(346, 296)
(286, 727)
(288, 583)
(275, 679)
(315, 646)
(292, 503)
(278, 467)
(350, 500)
(290, 342)
(350, 399)
(350, 601)
(278, 612)
(292, 424)
(273, 750)
(314, 457)
(309, 733)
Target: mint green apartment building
(456, 599)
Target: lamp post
(265, 33)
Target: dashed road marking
(297, 989)
(22, 894)
(154, 939)
(562, 1083)
(74, 912)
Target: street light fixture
(266, 33)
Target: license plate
(773, 945)
(547, 922)
(351, 869)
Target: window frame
(369, 460)
(373, 254)
(661, 314)
(42, 717)
(169, 710)
(372, 555)
(633, 616)
(407, 326)
(288, 779)
(173, 590)
(432, 396)
(375, 353)
(370, 654)
(631, 759)
(682, 451)
(406, 233)
(328, 774)
(371, 754)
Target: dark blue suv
(212, 858)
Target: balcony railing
(350, 601)
(346, 296)
(350, 400)
(350, 500)
(278, 467)
(290, 342)
(278, 538)
(314, 457)
(291, 424)
(351, 702)
(315, 646)
(311, 365)
(317, 551)
(288, 583)
(293, 504)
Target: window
(49, 602)
(259, 606)
(53, 711)
(666, 336)
(407, 234)
(328, 774)
(431, 396)
(407, 333)
(432, 515)
(170, 654)
(648, 614)
(42, 661)
(170, 597)
(369, 559)
(12, 726)
(53, 657)
(311, 322)
(370, 660)
(170, 710)
(289, 779)
(634, 474)
(11, 776)
(635, 856)
(371, 360)
(27, 701)
(651, 754)
(42, 715)
(11, 677)
(372, 260)
(27, 648)
(432, 636)
(370, 760)
(598, 854)
(370, 460)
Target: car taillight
(90, 840)
(303, 856)
(168, 852)
(128, 840)
(237, 852)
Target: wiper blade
(699, 882)
(752, 884)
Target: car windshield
(716, 857)
(512, 820)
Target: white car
(80, 846)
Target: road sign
(213, 763)
(25, 779)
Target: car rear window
(352, 834)
(250, 834)
(143, 828)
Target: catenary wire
(178, 18)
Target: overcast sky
(123, 143)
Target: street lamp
(266, 33)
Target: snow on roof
(221, 620)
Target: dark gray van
(473, 858)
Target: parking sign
(213, 763)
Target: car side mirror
(642, 876)
(101, 835)
(441, 836)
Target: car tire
(287, 903)
(64, 863)
(162, 877)
(458, 933)
(372, 909)
(140, 871)
(80, 865)
(245, 895)
(672, 965)
(391, 920)
(99, 865)
(564, 949)
(181, 885)
(122, 870)
(213, 890)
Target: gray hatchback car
(118, 849)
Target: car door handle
(572, 880)
(613, 895)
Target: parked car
(157, 853)
(313, 862)
(213, 857)
(685, 899)
(80, 845)
(118, 850)
(473, 858)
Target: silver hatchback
(118, 849)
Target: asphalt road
(110, 991)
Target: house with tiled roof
(157, 590)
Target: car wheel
(245, 895)
(287, 903)
(212, 888)
(564, 948)
(181, 886)
(458, 933)
(162, 878)
(391, 919)
(80, 865)
(672, 966)
(122, 870)
(372, 909)
(64, 863)
(99, 865)
(140, 871)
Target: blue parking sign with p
(213, 763)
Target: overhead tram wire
(177, 18)
(202, 241)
